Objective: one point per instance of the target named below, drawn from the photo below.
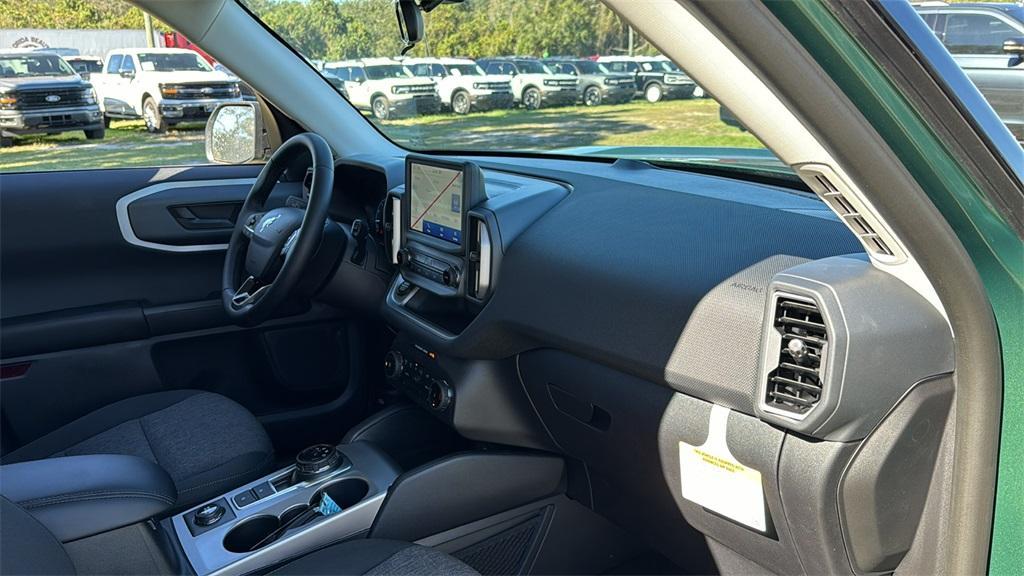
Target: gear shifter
(315, 461)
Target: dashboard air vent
(827, 185)
(481, 254)
(393, 227)
(795, 385)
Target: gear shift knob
(315, 461)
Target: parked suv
(987, 41)
(596, 83)
(40, 93)
(534, 84)
(655, 78)
(462, 85)
(163, 86)
(385, 87)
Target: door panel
(111, 288)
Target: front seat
(207, 443)
(27, 547)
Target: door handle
(220, 216)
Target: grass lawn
(670, 123)
(126, 143)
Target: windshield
(172, 62)
(668, 121)
(590, 67)
(465, 70)
(532, 67)
(33, 65)
(386, 71)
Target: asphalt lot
(639, 123)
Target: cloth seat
(207, 443)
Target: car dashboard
(623, 315)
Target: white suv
(385, 87)
(462, 85)
(534, 84)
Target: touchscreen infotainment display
(436, 196)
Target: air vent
(481, 254)
(393, 227)
(795, 385)
(828, 189)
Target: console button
(209, 515)
(244, 499)
(263, 490)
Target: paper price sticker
(713, 478)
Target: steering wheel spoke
(249, 228)
(249, 292)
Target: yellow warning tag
(713, 478)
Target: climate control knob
(439, 395)
(394, 363)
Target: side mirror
(127, 74)
(1014, 45)
(234, 133)
(410, 23)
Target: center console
(329, 494)
(447, 229)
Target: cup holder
(346, 492)
(252, 534)
(243, 537)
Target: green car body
(991, 242)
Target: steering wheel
(270, 249)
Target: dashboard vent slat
(795, 386)
(838, 199)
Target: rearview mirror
(410, 23)
(1014, 45)
(234, 133)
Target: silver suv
(987, 41)
(597, 84)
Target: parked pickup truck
(41, 94)
(462, 85)
(163, 86)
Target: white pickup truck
(163, 86)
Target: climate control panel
(416, 373)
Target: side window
(128, 64)
(106, 122)
(438, 70)
(358, 75)
(976, 34)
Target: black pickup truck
(40, 93)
